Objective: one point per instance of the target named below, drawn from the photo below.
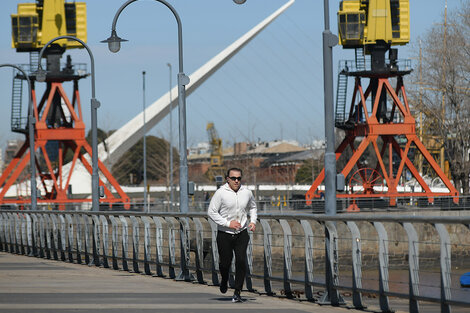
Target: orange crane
(59, 130)
(379, 115)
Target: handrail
(283, 246)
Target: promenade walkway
(30, 284)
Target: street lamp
(95, 104)
(114, 45)
(329, 41)
(171, 143)
(32, 160)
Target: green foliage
(101, 134)
(128, 170)
(304, 173)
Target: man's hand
(252, 226)
(235, 225)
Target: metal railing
(353, 66)
(280, 204)
(328, 259)
(79, 69)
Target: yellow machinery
(364, 23)
(37, 23)
(217, 158)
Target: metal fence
(267, 204)
(347, 258)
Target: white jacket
(227, 205)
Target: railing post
(383, 266)
(19, 232)
(331, 295)
(158, 245)
(104, 228)
(11, 232)
(8, 232)
(70, 237)
(42, 236)
(413, 266)
(184, 251)
(48, 236)
(29, 235)
(135, 244)
(214, 253)
(63, 237)
(2, 233)
(88, 239)
(19, 244)
(249, 263)
(287, 257)
(267, 243)
(55, 235)
(147, 245)
(356, 265)
(308, 267)
(79, 237)
(36, 240)
(125, 243)
(199, 250)
(171, 247)
(96, 240)
(445, 267)
(114, 243)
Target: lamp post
(145, 146)
(95, 104)
(114, 44)
(171, 143)
(32, 160)
(331, 296)
(329, 41)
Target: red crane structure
(59, 131)
(379, 115)
(391, 134)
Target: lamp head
(114, 42)
(239, 1)
(41, 74)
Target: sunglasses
(236, 178)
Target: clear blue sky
(273, 89)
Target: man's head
(234, 178)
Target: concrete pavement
(29, 284)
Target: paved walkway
(29, 284)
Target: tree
(307, 169)
(128, 169)
(442, 95)
(102, 135)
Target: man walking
(228, 210)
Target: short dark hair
(233, 169)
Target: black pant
(227, 244)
